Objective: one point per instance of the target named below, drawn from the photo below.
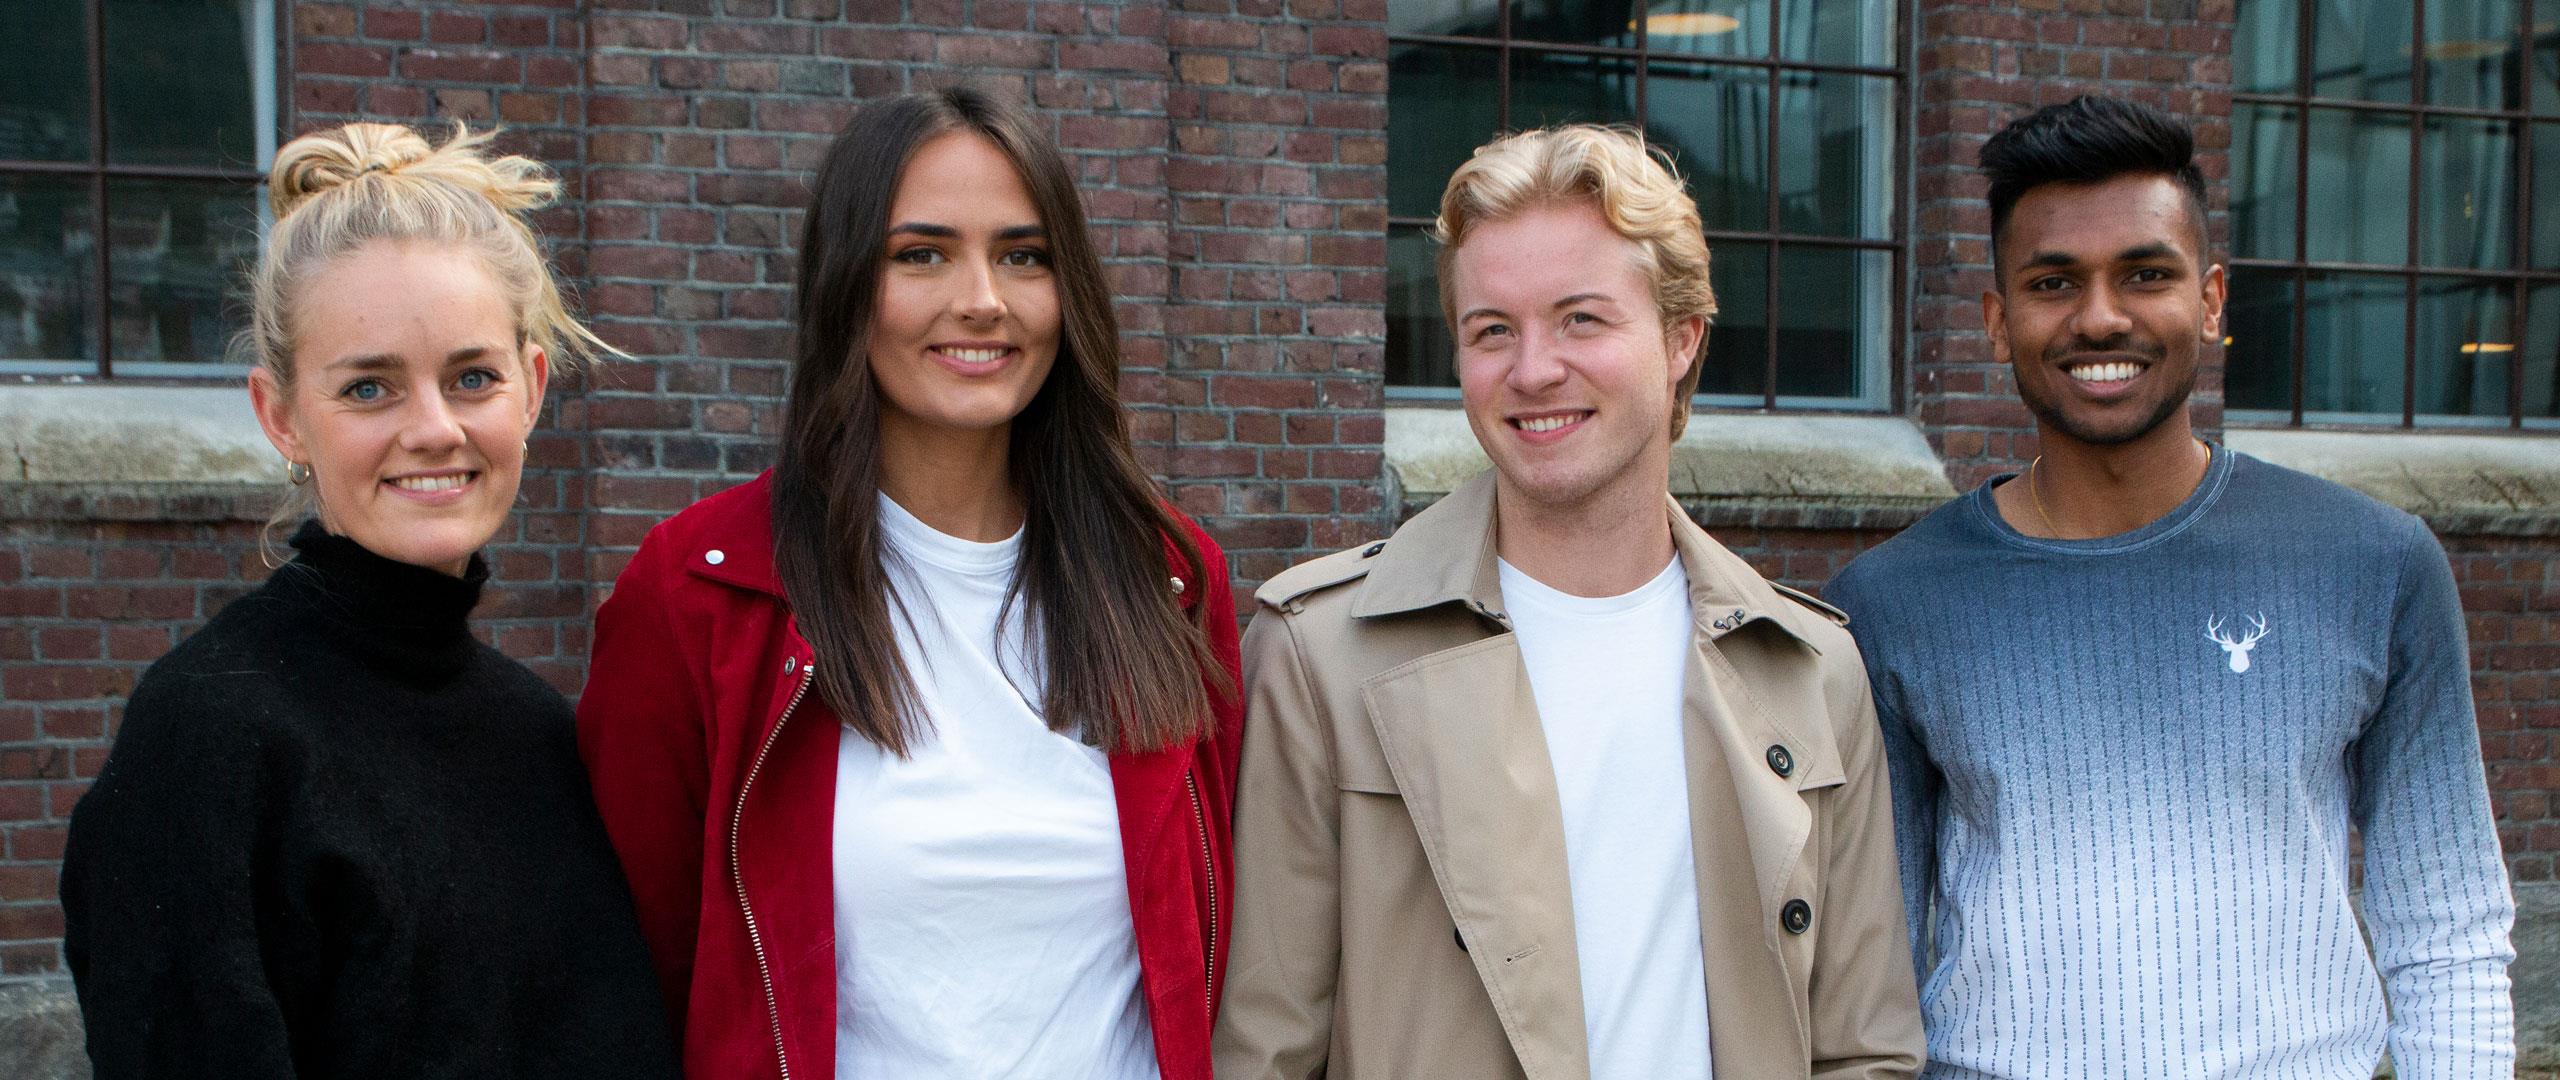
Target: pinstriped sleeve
(2436, 897)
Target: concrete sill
(1773, 471)
(2461, 484)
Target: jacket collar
(1445, 555)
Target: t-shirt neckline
(2217, 475)
(1519, 588)
(914, 539)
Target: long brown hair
(1125, 664)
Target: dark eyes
(929, 256)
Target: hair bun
(325, 160)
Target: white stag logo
(2239, 650)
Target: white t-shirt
(981, 901)
(1607, 673)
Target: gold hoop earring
(297, 473)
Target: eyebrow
(946, 232)
(381, 361)
(1557, 306)
(2136, 253)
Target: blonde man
(1550, 784)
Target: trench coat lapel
(1460, 732)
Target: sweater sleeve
(2435, 886)
(1917, 783)
(640, 731)
(161, 891)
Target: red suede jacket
(715, 770)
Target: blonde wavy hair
(337, 190)
(1637, 190)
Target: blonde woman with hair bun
(339, 836)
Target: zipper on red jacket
(755, 938)
(1209, 868)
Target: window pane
(1419, 350)
(2265, 47)
(2359, 194)
(1738, 344)
(1837, 31)
(1715, 122)
(1565, 88)
(1441, 108)
(2258, 322)
(48, 229)
(1455, 18)
(2471, 45)
(2360, 49)
(44, 83)
(179, 246)
(2545, 72)
(180, 89)
(1710, 27)
(1835, 165)
(2542, 353)
(2546, 195)
(2467, 194)
(2263, 144)
(1573, 22)
(2465, 343)
(1831, 326)
(2354, 326)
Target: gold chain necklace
(2033, 492)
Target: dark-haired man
(2136, 697)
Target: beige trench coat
(1401, 903)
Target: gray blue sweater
(2125, 774)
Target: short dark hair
(2083, 141)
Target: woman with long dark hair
(917, 749)
(339, 835)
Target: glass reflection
(2258, 361)
(2541, 353)
(2466, 342)
(2471, 45)
(1710, 27)
(2354, 325)
(44, 83)
(2263, 145)
(2467, 192)
(1833, 307)
(179, 247)
(2544, 72)
(1565, 88)
(184, 89)
(2545, 207)
(2266, 47)
(2360, 49)
(1420, 351)
(1448, 18)
(47, 241)
(2359, 197)
(1444, 107)
(1575, 22)
(1715, 122)
(1836, 31)
(1835, 169)
(1737, 361)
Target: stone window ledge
(1728, 469)
(2461, 484)
(107, 452)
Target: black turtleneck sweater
(339, 837)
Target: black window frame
(100, 168)
(2521, 276)
(1897, 245)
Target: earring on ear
(297, 473)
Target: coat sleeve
(1866, 1009)
(167, 896)
(641, 723)
(1278, 1018)
(1217, 754)
(2436, 899)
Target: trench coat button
(1461, 939)
(1374, 549)
(715, 556)
(1720, 624)
(1781, 762)
(1797, 916)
